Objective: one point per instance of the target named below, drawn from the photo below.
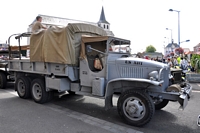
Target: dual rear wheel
(36, 88)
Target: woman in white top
(169, 62)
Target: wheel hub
(134, 108)
(21, 87)
(37, 91)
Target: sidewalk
(193, 77)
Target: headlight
(170, 76)
(153, 75)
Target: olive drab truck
(84, 60)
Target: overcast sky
(144, 22)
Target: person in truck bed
(37, 25)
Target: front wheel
(135, 107)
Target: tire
(51, 95)
(38, 91)
(23, 87)
(138, 104)
(71, 92)
(162, 104)
(3, 80)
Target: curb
(193, 77)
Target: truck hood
(140, 62)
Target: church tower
(102, 21)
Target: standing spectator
(175, 62)
(179, 60)
(169, 63)
(184, 64)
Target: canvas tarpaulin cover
(88, 39)
(61, 45)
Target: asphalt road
(18, 115)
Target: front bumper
(185, 95)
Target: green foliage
(150, 49)
(195, 62)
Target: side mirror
(89, 48)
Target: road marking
(195, 91)
(115, 128)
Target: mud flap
(184, 97)
(183, 101)
(108, 102)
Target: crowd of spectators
(174, 62)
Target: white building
(170, 48)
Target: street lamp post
(171, 34)
(167, 39)
(185, 41)
(178, 24)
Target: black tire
(141, 102)
(71, 92)
(22, 85)
(38, 91)
(51, 95)
(162, 104)
(3, 80)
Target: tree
(150, 49)
(179, 50)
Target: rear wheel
(23, 87)
(3, 80)
(135, 107)
(38, 91)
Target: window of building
(107, 27)
(104, 26)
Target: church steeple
(102, 17)
(102, 21)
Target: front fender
(156, 83)
(109, 87)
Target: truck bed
(24, 65)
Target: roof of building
(198, 45)
(153, 53)
(59, 21)
(102, 17)
(171, 44)
(109, 33)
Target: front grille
(177, 76)
(131, 72)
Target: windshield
(123, 48)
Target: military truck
(82, 59)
